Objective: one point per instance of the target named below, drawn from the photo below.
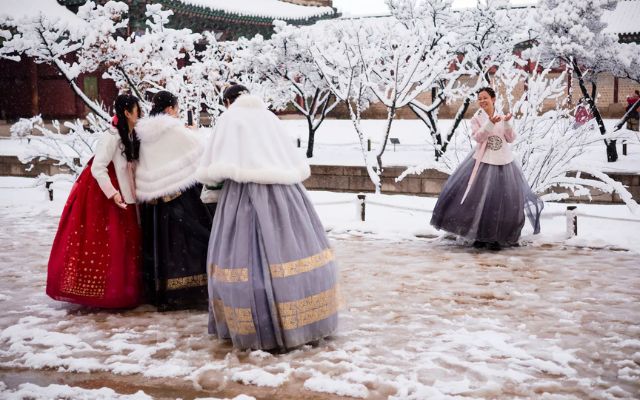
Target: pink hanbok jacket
(493, 144)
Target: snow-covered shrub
(71, 149)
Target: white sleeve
(107, 146)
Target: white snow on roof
(17, 9)
(625, 18)
(263, 8)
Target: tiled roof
(274, 9)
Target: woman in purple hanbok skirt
(272, 274)
(487, 196)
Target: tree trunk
(626, 116)
(310, 142)
(390, 116)
(612, 153)
(459, 117)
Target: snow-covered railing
(47, 186)
(571, 213)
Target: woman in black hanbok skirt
(175, 222)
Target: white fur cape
(169, 156)
(250, 144)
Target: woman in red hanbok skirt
(95, 258)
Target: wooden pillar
(616, 85)
(33, 85)
(569, 78)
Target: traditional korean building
(39, 88)
(230, 19)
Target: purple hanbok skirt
(495, 208)
(272, 275)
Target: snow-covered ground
(337, 144)
(422, 318)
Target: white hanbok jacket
(109, 149)
(250, 144)
(169, 157)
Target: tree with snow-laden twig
(283, 65)
(396, 66)
(71, 149)
(572, 31)
(343, 70)
(57, 41)
(548, 143)
(150, 62)
(478, 40)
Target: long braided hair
(131, 144)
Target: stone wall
(11, 166)
(350, 179)
(429, 183)
(356, 179)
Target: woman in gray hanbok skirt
(272, 274)
(487, 196)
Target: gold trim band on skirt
(303, 265)
(299, 313)
(238, 320)
(228, 275)
(187, 282)
(165, 199)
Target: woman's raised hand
(495, 119)
(507, 117)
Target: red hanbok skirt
(95, 258)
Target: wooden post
(362, 198)
(624, 147)
(572, 222)
(47, 185)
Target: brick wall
(605, 100)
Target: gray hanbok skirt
(495, 208)
(272, 275)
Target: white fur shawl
(250, 144)
(169, 157)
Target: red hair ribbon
(114, 121)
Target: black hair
(131, 144)
(234, 91)
(489, 91)
(162, 100)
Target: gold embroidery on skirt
(187, 282)
(303, 265)
(165, 199)
(296, 314)
(81, 276)
(239, 320)
(228, 275)
(218, 308)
